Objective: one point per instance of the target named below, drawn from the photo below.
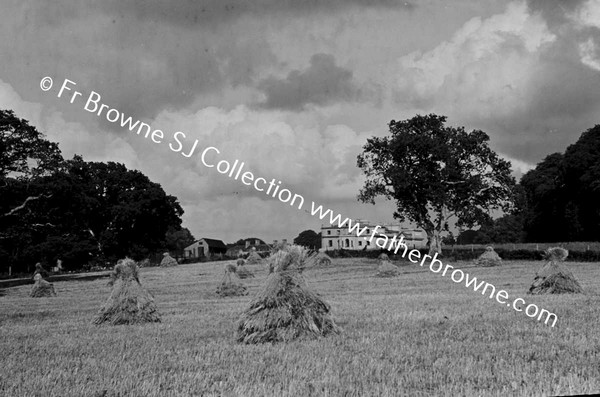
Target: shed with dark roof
(205, 247)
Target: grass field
(416, 335)
(571, 246)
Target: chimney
(247, 243)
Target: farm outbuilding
(205, 248)
(248, 245)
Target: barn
(205, 248)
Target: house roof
(253, 239)
(263, 247)
(259, 248)
(214, 243)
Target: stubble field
(415, 335)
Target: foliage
(24, 152)
(563, 191)
(582, 177)
(124, 212)
(449, 239)
(74, 210)
(434, 173)
(177, 239)
(547, 198)
(506, 229)
(466, 237)
(309, 239)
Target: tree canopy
(563, 192)
(309, 239)
(435, 172)
(76, 211)
(24, 151)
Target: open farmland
(418, 334)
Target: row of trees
(555, 202)
(73, 210)
(437, 173)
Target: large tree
(546, 201)
(75, 210)
(122, 210)
(582, 177)
(563, 191)
(434, 173)
(24, 151)
(26, 157)
(309, 238)
(91, 211)
(177, 239)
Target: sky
(294, 88)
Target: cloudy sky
(294, 88)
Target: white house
(205, 247)
(334, 237)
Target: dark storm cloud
(535, 89)
(139, 68)
(565, 102)
(566, 92)
(323, 82)
(555, 12)
(190, 13)
(145, 56)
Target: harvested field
(489, 258)
(386, 269)
(418, 334)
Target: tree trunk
(435, 242)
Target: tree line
(557, 201)
(76, 211)
(437, 174)
(83, 212)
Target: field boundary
(15, 282)
(571, 246)
(467, 253)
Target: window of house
(359, 243)
(331, 243)
(329, 232)
(368, 243)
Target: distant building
(205, 247)
(250, 244)
(334, 237)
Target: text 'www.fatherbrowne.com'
(435, 265)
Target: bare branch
(43, 224)
(27, 200)
(483, 190)
(453, 183)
